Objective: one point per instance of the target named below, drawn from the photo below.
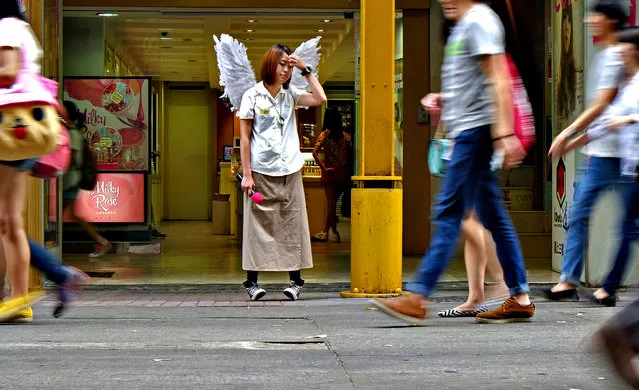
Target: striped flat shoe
(452, 313)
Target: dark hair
(567, 84)
(612, 10)
(10, 9)
(74, 115)
(333, 123)
(269, 64)
(630, 35)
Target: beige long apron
(276, 233)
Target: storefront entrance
(172, 51)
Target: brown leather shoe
(409, 308)
(509, 311)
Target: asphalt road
(153, 340)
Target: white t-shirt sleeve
(485, 36)
(296, 93)
(612, 70)
(247, 107)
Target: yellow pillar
(376, 212)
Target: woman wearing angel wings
(276, 232)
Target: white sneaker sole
(258, 295)
(22, 321)
(387, 310)
(290, 294)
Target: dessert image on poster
(116, 112)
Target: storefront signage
(117, 198)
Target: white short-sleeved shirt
(608, 71)
(17, 33)
(275, 144)
(626, 139)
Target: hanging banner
(567, 103)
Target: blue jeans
(44, 261)
(470, 184)
(601, 174)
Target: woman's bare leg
(495, 285)
(89, 228)
(13, 193)
(331, 206)
(475, 259)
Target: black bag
(88, 170)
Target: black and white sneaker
(293, 291)
(254, 291)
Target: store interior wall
(530, 56)
(416, 133)
(84, 46)
(188, 154)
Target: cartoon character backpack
(29, 125)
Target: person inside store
(335, 144)
(71, 180)
(276, 232)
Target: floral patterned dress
(336, 152)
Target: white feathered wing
(309, 52)
(236, 73)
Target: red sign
(117, 198)
(561, 182)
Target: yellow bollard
(376, 212)
(376, 246)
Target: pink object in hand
(257, 198)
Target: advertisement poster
(117, 198)
(116, 113)
(568, 79)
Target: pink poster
(117, 198)
(116, 113)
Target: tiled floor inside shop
(190, 254)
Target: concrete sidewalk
(171, 340)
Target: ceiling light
(321, 30)
(248, 39)
(327, 21)
(106, 14)
(248, 30)
(166, 38)
(251, 21)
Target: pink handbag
(57, 162)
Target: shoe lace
(253, 289)
(508, 304)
